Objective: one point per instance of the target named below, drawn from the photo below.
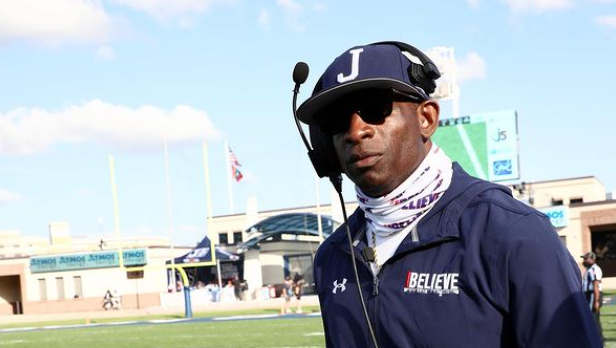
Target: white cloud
(471, 67)
(537, 6)
(264, 19)
(292, 12)
(54, 22)
(474, 3)
(163, 9)
(183, 11)
(607, 21)
(29, 131)
(8, 197)
(105, 53)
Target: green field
(302, 332)
(266, 333)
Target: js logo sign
(501, 135)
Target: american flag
(235, 164)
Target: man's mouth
(364, 160)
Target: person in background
(591, 285)
(298, 284)
(237, 289)
(228, 292)
(287, 292)
(107, 300)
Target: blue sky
(83, 79)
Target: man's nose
(358, 129)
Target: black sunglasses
(373, 106)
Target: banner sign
(102, 259)
(559, 215)
(485, 145)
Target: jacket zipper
(375, 312)
(375, 285)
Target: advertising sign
(559, 215)
(485, 145)
(102, 259)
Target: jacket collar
(439, 225)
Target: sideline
(164, 321)
(174, 309)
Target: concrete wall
(545, 193)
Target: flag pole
(208, 196)
(170, 216)
(116, 210)
(229, 185)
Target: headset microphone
(300, 74)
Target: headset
(422, 72)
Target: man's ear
(428, 114)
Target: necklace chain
(376, 259)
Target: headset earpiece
(323, 156)
(423, 75)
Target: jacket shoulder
(339, 236)
(506, 223)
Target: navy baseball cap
(374, 66)
(589, 255)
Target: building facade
(67, 275)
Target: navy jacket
(480, 270)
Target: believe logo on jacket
(431, 283)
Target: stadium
(126, 220)
(72, 275)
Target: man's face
(379, 153)
(588, 262)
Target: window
(557, 201)
(42, 289)
(134, 274)
(603, 244)
(237, 237)
(576, 200)
(223, 238)
(60, 286)
(78, 288)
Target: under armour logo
(340, 286)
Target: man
(591, 285)
(298, 290)
(287, 292)
(444, 259)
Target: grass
(302, 332)
(268, 333)
(608, 322)
(307, 309)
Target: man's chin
(372, 184)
